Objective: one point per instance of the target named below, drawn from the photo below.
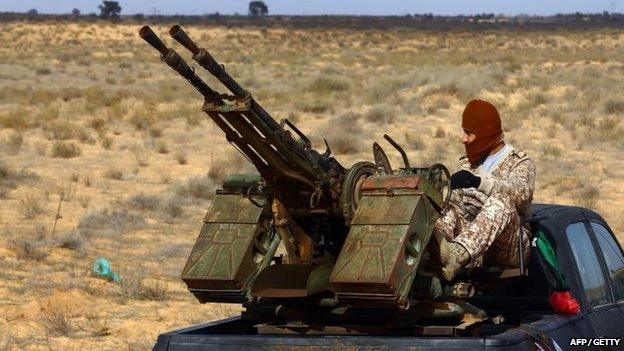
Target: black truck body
(590, 259)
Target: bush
(162, 148)
(141, 157)
(5, 172)
(172, 207)
(439, 133)
(343, 133)
(180, 156)
(106, 221)
(56, 319)
(114, 173)
(323, 83)
(136, 287)
(551, 150)
(143, 202)
(588, 195)
(27, 250)
(98, 123)
(31, 245)
(61, 130)
(380, 113)
(65, 150)
(14, 143)
(18, 118)
(44, 71)
(10, 178)
(614, 106)
(217, 170)
(197, 187)
(6, 339)
(106, 142)
(156, 132)
(413, 141)
(72, 241)
(315, 105)
(30, 206)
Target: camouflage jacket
(514, 175)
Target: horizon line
(331, 14)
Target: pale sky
(319, 7)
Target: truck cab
(520, 317)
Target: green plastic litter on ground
(102, 269)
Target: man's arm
(519, 185)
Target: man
(491, 195)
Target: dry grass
(197, 188)
(114, 173)
(180, 157)
(31, 206)
(141, 157)
(172, 207)
(138, 287)
(109, 222)
(31, 244)
(162, 147)
(380, 113)
(65, 149)
(56, 320)
(6, 339)
(557, 92)
(106, 142)
(71, 240)
(13, 143)
(343, 133)
(138, 343)
(144, 202)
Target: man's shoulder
(519, 154)
(519, 157)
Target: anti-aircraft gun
(354, 237)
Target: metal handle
(400, 149)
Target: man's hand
(464, 179)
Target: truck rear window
(613, 258)
(587, 264)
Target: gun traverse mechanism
(354, 237)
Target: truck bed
(235, 334)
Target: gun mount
(354, 237)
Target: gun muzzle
(180, 35)
(151, 38)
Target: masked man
(492, 194)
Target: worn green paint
(220, 250)
(374, 262)
(383, 209)
(369, 253)
(222, 258)
(428, 189)
(230, 208)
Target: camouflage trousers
(491, 237)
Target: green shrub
(65, 150)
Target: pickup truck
(590, 260)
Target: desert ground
(89, 114)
